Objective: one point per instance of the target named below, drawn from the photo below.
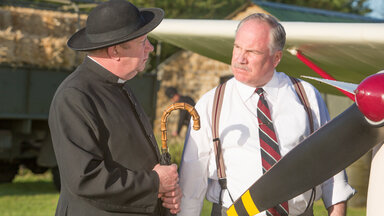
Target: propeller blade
(326, 152)
(349, 87)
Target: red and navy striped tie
(269, 146)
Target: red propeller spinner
(369, 95)
(370, 98)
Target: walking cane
(165, 156)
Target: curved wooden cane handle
(167, 112)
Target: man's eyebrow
(249, 50)
(257, 51)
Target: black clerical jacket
(104, 146)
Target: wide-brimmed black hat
(114, 22)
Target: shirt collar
(244, 90)
(271, 88)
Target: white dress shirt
(239, 135)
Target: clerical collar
(121, 80)
(118, 81)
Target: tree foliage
(206, 9)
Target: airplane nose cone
(370, 98)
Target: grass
(29, 195)
(35, 195)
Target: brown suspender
(216, 110)
(304, 100)
(218, 101)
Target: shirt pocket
(291, 126)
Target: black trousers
(218, 210)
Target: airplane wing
(348, 51)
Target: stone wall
(38, 37)
(192, 75)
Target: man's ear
(277, 57)
(113, 53)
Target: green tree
(208, 9)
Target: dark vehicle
(25, 97)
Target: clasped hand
(169, 189)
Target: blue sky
(378, 8)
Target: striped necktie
(269, 146)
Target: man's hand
(169, 189)
(339, 209)
(172, 200)
(169, 178)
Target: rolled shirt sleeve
(336, 189)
